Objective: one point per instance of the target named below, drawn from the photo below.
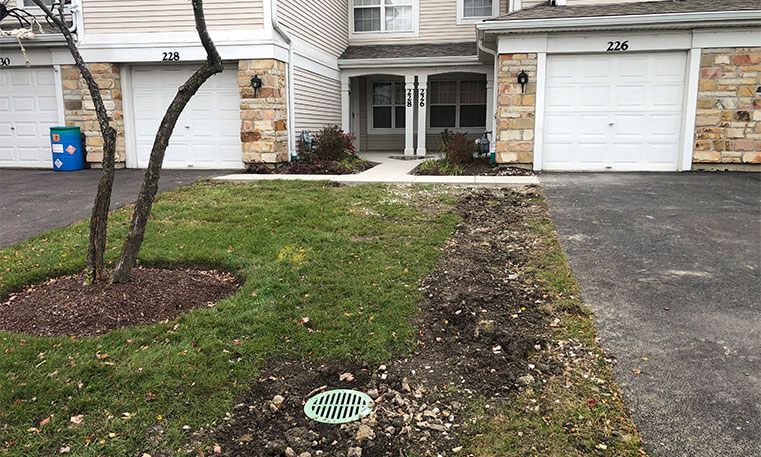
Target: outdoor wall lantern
(256, 83)
(523, 80)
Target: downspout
(289, 103)
(493, 146)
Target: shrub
(332, 143)
(460, 149)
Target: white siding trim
(130, 146)
(58, 80)
(541, 78)
(690, 109)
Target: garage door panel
(627, 116)
(207, 134)
(28, 108)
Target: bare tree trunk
(99, 218)
(134, 238)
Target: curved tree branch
(134, 239)
(99, 218)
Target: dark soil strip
(477, 168)
(64, 306)
(311, 167)
(478, 324)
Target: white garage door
(207, 134)
(28, 108)
(618, 112)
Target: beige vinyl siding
(120, 16)
(323, 24)
(437, 24)
(317, 101)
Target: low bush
(332, 143)
(456, 147)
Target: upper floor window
(476, 8)
(28, 3)
(383, 16)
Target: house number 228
(409, 98)
(618, 46)
(172, 56)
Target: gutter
(408, 62)
(289, 103)
(638, 20)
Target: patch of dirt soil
(310, 167)
(64, 306)
(479, 322)
(478, 168)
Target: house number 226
(617, 46)
(422, 98)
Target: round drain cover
(338, 406)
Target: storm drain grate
(338, 406)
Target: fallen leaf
(64, 450)
(637, 371)
(303, 321)
(45, 421)
(76, 420)
(591, 402)
(217, 449)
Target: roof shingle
(546, 11)
(391, 51)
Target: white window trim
(462, 20)
(474, 130)
(371, 130)
(380, 35)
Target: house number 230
(5, 61)
(617, 46)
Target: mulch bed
(310, 167)
(479, 168)
(64, 306)
(479, 321)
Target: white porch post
(345, 104)
(409, 115)
(422, 104)
(491, 112)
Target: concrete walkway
(391, 171)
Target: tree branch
(99, 218)
(134, 239)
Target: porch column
(491, 113)
(422, 98)
(409, 115)
(345, 104)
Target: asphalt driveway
(34, 201)
(671, 265)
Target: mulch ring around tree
(480, 320)
(311, 167)
(64, 306)
(476, 168)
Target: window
(388, 105)
(476, 8)
(458, 104)
(28, 3)
(383, 16)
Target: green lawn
(349, 258)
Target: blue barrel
(66, 144)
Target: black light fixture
(523, 80)
(256, 83)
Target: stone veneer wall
(264, 129)
(516, 109)
(728, 122)
(80, 111)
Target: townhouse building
(563, 85)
